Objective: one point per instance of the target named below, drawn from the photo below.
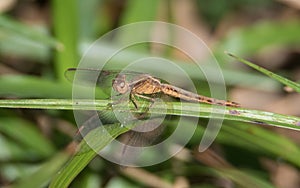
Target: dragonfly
(141, 85)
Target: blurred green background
(40, 39)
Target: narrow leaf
(281, 79)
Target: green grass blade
(58, 104)
(279, 78)
(65, 20)
(66, 175)
(173, 108)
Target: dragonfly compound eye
(120, 85)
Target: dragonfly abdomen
(192, 97)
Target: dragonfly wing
(91, 77)
(102, 79)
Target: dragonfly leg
(133, 99)
(143, 114)
(135, 102)
(145, 97)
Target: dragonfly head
(120, 85)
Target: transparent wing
(91, 77)
(103, 79)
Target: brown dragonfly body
(146, 84)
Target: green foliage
(32, 159)
(295, 86)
